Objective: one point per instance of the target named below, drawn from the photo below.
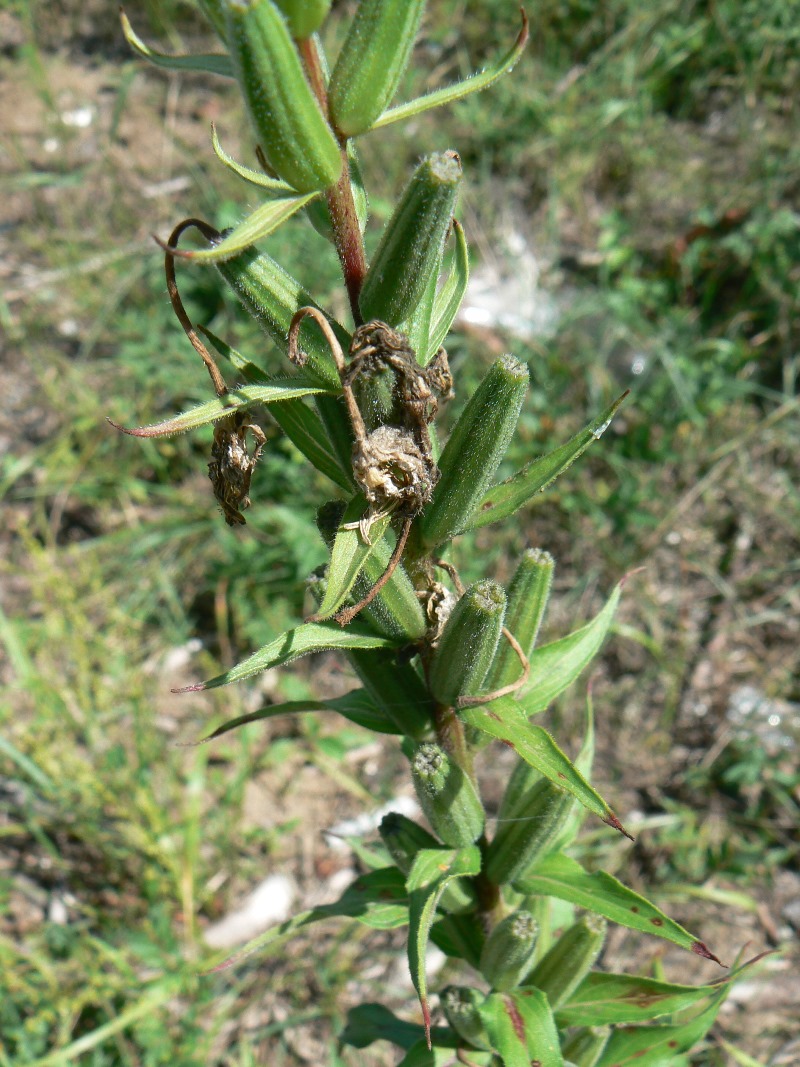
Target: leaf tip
(701, 949)
(610, 819)
(190, 688)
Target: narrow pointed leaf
(451, 93)
(348, 556)
(442, 1055)
(207, 64)
(583, 763)
(271, 186)
(377, 899)
(246, 396)
(556, 666)
(504, 499)
(564, 878)
(449, 298)
(432, 871)
(367, 1023)
(657, 1046)
(301, 641)
(521, 1028)
(357, 706)
(261, 223)
(622, 998)
(505, 720)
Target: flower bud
(474, 450)
(468, 643)
(527, 836)
(410, 250)
(372, 60)
(509, 949)
(296, 140)
(404, 839)
(461, 1007)
(561, 970)
(527, 599)
(447, 796)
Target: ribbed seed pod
(522, 779)
(404, 839)
(461, 1009)
(371, 63)
(468, 643)
(410, 249)
(520, 843)
(527, 599)
(585, 1046)
(304, 16)
(474, 450)
(509, 950)
(293, 133)
(565, 966)
(447, 796)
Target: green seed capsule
(461, 1007)
(468, 643)
(297, 141)
(474, 450)
(304, 16)
(410, 250)
(522, 780)
(372, 60)
(404, 839)
(527, 599)
(447, 796)
(564, 967)
(585, 1046)
(509, 951)
(528, 836)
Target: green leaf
(301, 641)
(504, 499)
(521, 1028)
(272, 186)
(367, 1023)
(349, 555)
(440, 1056)
(658, 1046)
(505, 720)
(356, 706)
(242, 398)
(556, 666)
(213, 64)
(623, 998)
(564, 878)
(377, 899)
(448, 300)
(433, 869)
(451, 93)
(583, 763)
(259, 224)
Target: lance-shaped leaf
(505, 720)
(504, 499)
(367, 1023)
(441, 1055)
(259, 224)
(527, 600)
(301, 641)
(433, 869)
(303, 428)
(564, 878)
(450, 93)
(449, 298)
(207, 64)
(656, 1046)
(521, 1028)
(212, 410)
(356, 706)
(623, 998)
(554, 667)
(348, 555)
(271, 186)
(397, 690)
(377, 899)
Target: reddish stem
(341, 206)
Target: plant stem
(341, 206)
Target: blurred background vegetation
(631, 204)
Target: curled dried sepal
(447, 796)
(371, 62)
(231, 466)
(410, 250)
(291, 129)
